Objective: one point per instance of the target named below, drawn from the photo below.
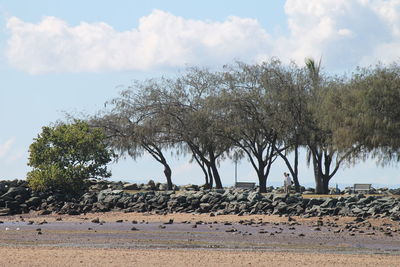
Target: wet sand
(135, 239)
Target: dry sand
(149, 257)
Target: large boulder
(14, 191)
(131, 187)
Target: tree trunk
(210, 175)
(168, 173)
(325, 185)
(201, 164)
(319, 187)
(322, 185)
(262, 175)
(262, 179)
(217, 178)
(295, 173)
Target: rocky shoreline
(104, 196)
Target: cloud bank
(344, 33)
(5, 147)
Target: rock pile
(103, 196)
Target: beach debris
(171, 221)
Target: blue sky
(72, 56)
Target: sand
(149, 257)
(67, 241)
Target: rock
(73, 212)
(171, 221)
(329, 203)
(44, 212)
(33, 201)
(204, 207)
(4, 211)
(14, 191)
(96, 220)
(359, 219)
(134, 229)
(280, 208)
(190, 187)
(131, 187)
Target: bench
(245, 185)
(361, 188)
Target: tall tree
(325, 156)
(370, 117)
(133, 125)
(288, 88)
(192, 120)
(247, 112)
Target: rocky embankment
(16, 198)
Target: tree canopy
(64, 156)
(260, 112)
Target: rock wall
(16, 198)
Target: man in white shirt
(287, 182)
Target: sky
(60, 57)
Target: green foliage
(260, 111)
(63, 157)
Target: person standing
(287, 182)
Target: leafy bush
(63, 157)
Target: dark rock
(4, 211)
(14, 191)
(44, 212)
(131, 187)
(33, 201)
(171, 221)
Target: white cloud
(345, 33)
(5, 147)
(161, 40)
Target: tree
(370, 113)
(135, 125)
(247, 113)
(64, 156)
(193, 120)
(322, 150)
(288, 89)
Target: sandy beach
(138, 239)
(175, 257)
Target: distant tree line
(260, 112)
